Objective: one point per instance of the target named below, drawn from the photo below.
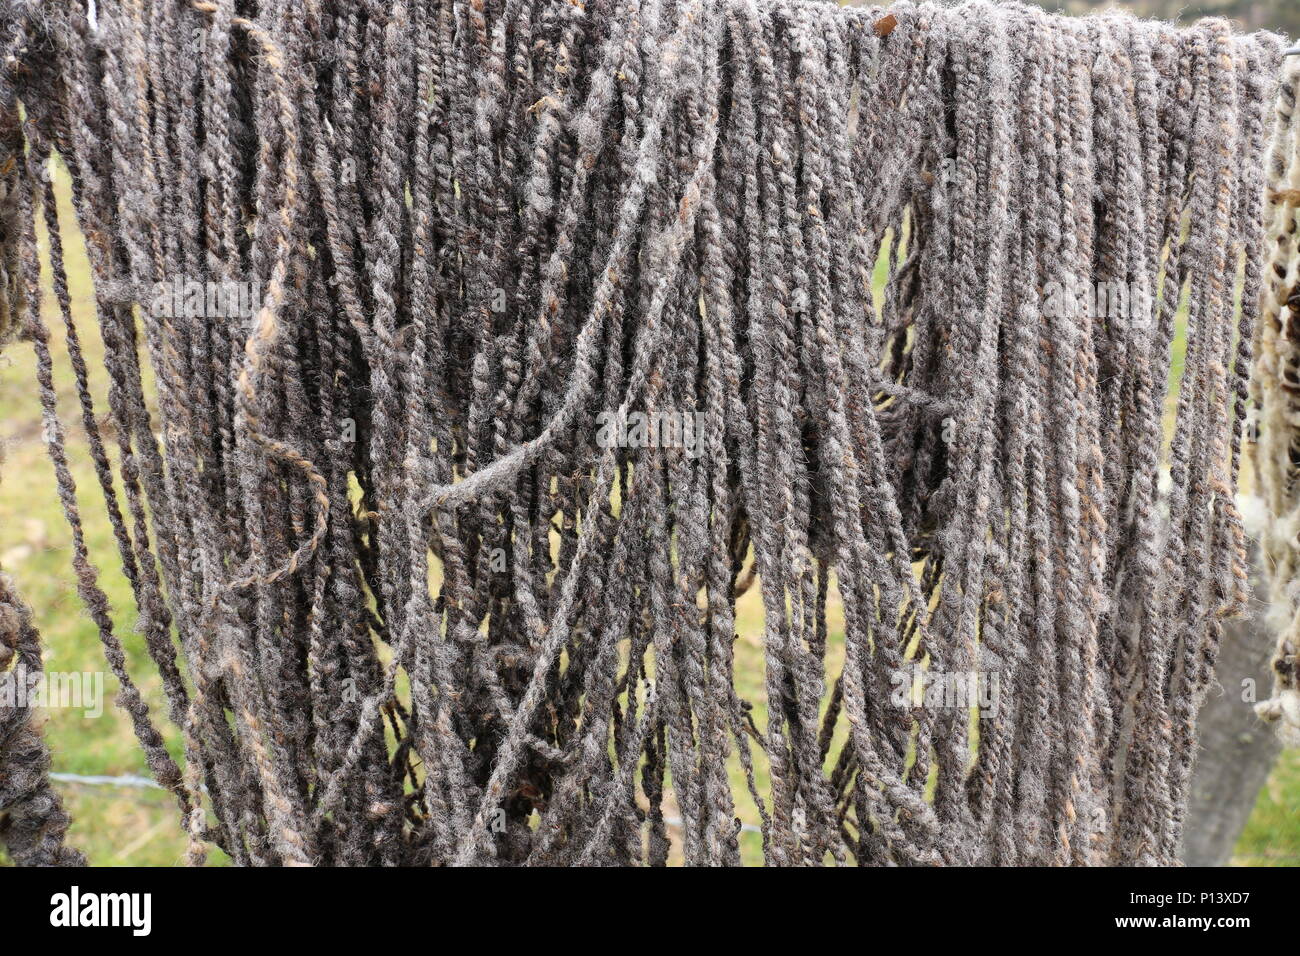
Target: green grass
(1272, 835)
(119, 826)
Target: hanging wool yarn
(1276, 394)
(501, 347)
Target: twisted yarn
(1276, 394)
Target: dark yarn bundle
(575, 321)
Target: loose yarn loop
(578, 321)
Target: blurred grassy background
(1280, 15)
(134, 826)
